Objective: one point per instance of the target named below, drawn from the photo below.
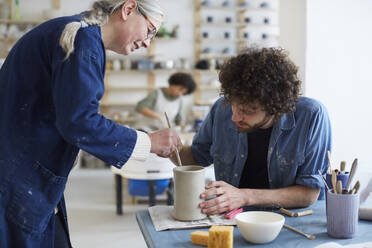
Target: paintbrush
(355, 189)
(339, 187)
(334, 182)
(325, 183)
(329, 161)
(352, 173)
(312, 237)
(342, 166)
(177, 153)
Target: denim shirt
(297, 149)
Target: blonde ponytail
(67, 38)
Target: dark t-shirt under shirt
(255, 175)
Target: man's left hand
(228, 198)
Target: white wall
(338, 72)
(292, 37)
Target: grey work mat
(162, 219)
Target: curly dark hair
(183, 79)
(263, 76)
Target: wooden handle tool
(339, 187)
(352, 173)
(329, 160)
(312, 237)
(342, 166)
(355, 189)
(334, 181)
(325, 183)
(286, 212)
(177, 153)
(303, 213)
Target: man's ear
(128, 8)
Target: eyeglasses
(151, 30)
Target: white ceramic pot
(189, 183)
(127, 64)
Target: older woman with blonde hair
(51, 85)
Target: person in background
(266, 143)
(51, 84)
(167, 100)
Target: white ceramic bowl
(259, 226)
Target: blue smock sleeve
(318, 143)
(77, 87)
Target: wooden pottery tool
(339, 187)
(303, 213)
(329, 160)
(342, 166)
(334, 181)
(312, 237)
(325, 183)
(177, 153)
(352, 173)
(355, 189)
(286, 212)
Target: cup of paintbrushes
(342, 213)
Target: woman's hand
(164, 142)
(228, 198)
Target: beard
(255, 127)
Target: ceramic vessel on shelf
(4, 10)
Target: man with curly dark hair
(266, 143)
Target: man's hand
(228, 198)
(164, 142)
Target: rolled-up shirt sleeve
(142, 149)
(318, 143)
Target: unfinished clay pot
(189, 184)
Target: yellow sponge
(200, 238)
(221, 237)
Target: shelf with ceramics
(169, 71)
(120, 71)
(20, 22)
(223, 29)
(117, 104)
(236, 8)
(234, 25)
